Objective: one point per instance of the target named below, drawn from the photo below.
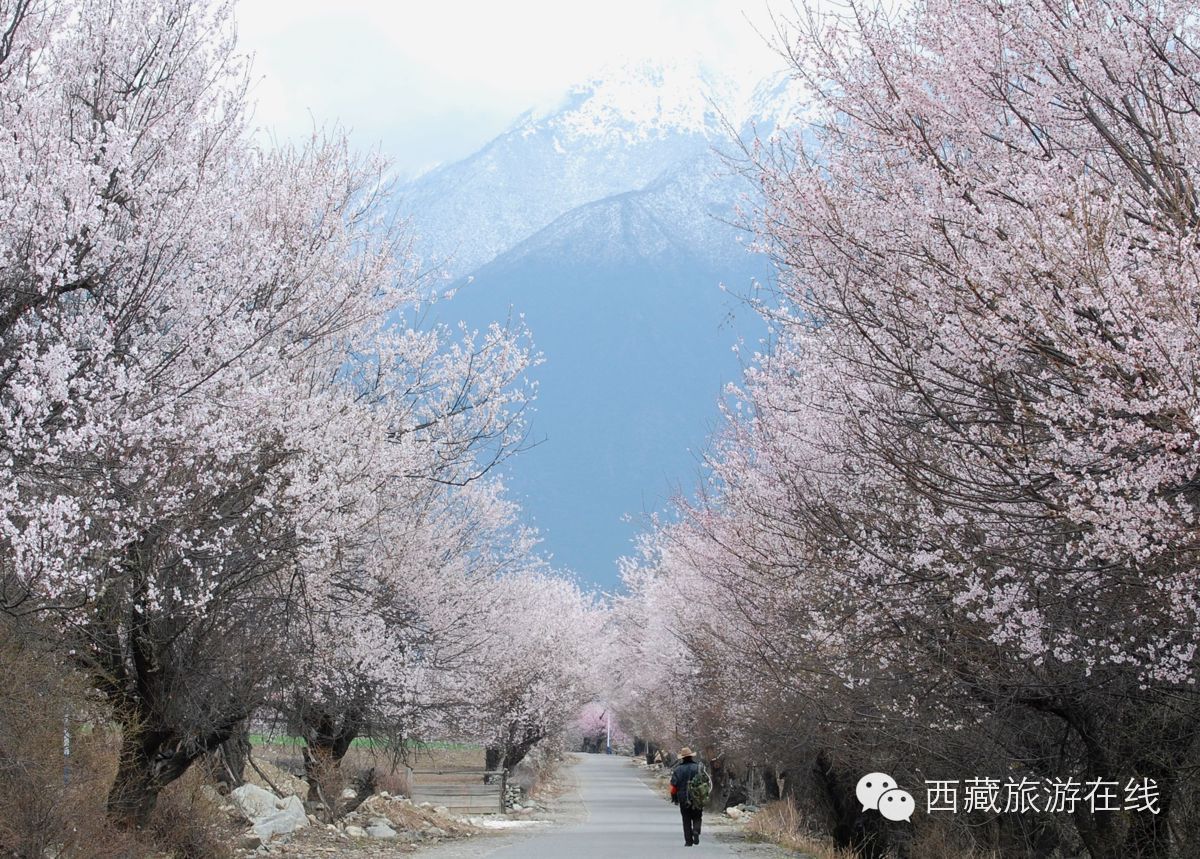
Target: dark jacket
(682, 777)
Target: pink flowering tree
(960, 494)
(213, 403)
(391, 654)
(598, 723)
(536, 670)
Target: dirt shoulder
(560, 805)
(429, 831)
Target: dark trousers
(691, 823)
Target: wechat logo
(880, 792)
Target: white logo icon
(896, 804)
(879, 791)
(871, 787)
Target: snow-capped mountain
(606, 222)
(622, 132)
(633, 104)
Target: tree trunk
(773, 781)
(226, 764)
(325, 744)
(491, 758)
(364, 785)
(515, 744)
(143, 770)
(318, 765)
(863, 832)
(519, 748)
(133, 793)
(722, 786)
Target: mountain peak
(615, 133)
(635, 102)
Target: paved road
(625, 819)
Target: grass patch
(781, 823)
(262, 740)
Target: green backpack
(699, 789)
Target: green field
(259, 740)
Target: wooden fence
(460, 791)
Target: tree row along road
(625, 818)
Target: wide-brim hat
(685, 752)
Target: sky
(430, 83)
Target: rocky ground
(384, 825)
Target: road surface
(624, 819)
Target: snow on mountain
(629, 105)
(779, 103)
(621, 132)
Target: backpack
(699, 789)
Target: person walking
(691, 805)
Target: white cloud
(433, 81)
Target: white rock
(380, 829)
(255, 801)
(441, 809)
(349, 793)
(356, 832)
(268, 814)
(734, 812)
(269, 827)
